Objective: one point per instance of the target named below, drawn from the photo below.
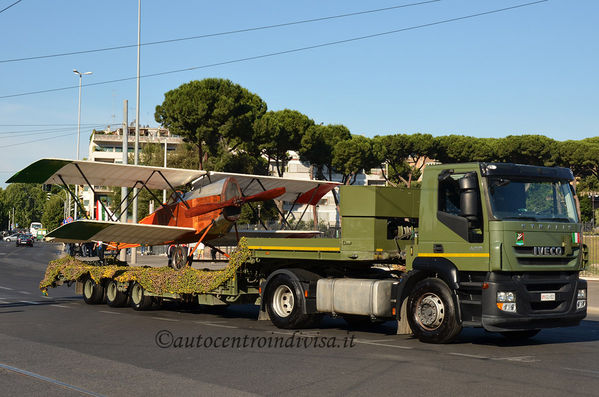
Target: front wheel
(432, 312)
(178, 258)
(285, 304)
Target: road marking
(49, 380)
(469, 356)
(384, 345)
(522, 359)
(64, 307)
(6, 288)
(30, 302)
(370, 340)
(46, 297)
(108, 312)
(215, 325)
(590, 371)
(164, 319)
(3, 302)
(24, 292)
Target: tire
(516, 336)
(178, 258)
(114, 297)
(138, 298)
(93, 293)
(285, 304)
(432, 312)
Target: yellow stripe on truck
(454, 255)
(282, 248)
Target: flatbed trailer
(495, 246)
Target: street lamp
(78, 133)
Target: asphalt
(58, 345)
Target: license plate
(548, 297)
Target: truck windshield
(532, 200)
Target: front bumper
(531, 311)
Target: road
(58, 346)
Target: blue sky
(531, 70)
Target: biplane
(206, 213)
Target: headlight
(582, 294)
(506, 297)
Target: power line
(45, 130)
(279, 25)
(36, 140)
(48, 125)
(15, 3)
(272, 54)
(17, 135)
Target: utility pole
(136, 150)
(123, 253)
(164, 191)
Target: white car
(12, 237)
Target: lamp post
(78, 134)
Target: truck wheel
(114, 297)
(93, 293)
(520, 335)
(178, 258)
(139, 300)
(285, 304)
(432, 312)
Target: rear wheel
(139, 299)
(114, 297)
(432, 312)
(285, 304)
(93, 293)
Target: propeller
(234, 202)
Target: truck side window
(450, 212)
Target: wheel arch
(303, 280)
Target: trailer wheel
(139, 300)
(178, 257)
(516, 336)
(432, 312)
(114, 297)
(93, 293)
(285, 304)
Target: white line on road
(469, 356)
(384, 345)
(64, 307)
(49, 380)
(30, 302)
(164, 319)
(522, 359)
(6, 288)
(108, 312)
(24, 292)
(3, 302)
(214, 325)
(46, 297)
(589, 371)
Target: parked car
(12, 237)
(24, 239)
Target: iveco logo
(547, 250)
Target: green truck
(489, 245)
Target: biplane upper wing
(300, 191)
(80, 172)
(132, 233)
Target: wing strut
(72, 194)
(93, 191)
(278, 210)
(305, 209)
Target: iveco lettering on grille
(547, 250)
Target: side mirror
(470, 198)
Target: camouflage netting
(158, 280)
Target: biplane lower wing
(131, 233)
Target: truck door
(457, 228)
